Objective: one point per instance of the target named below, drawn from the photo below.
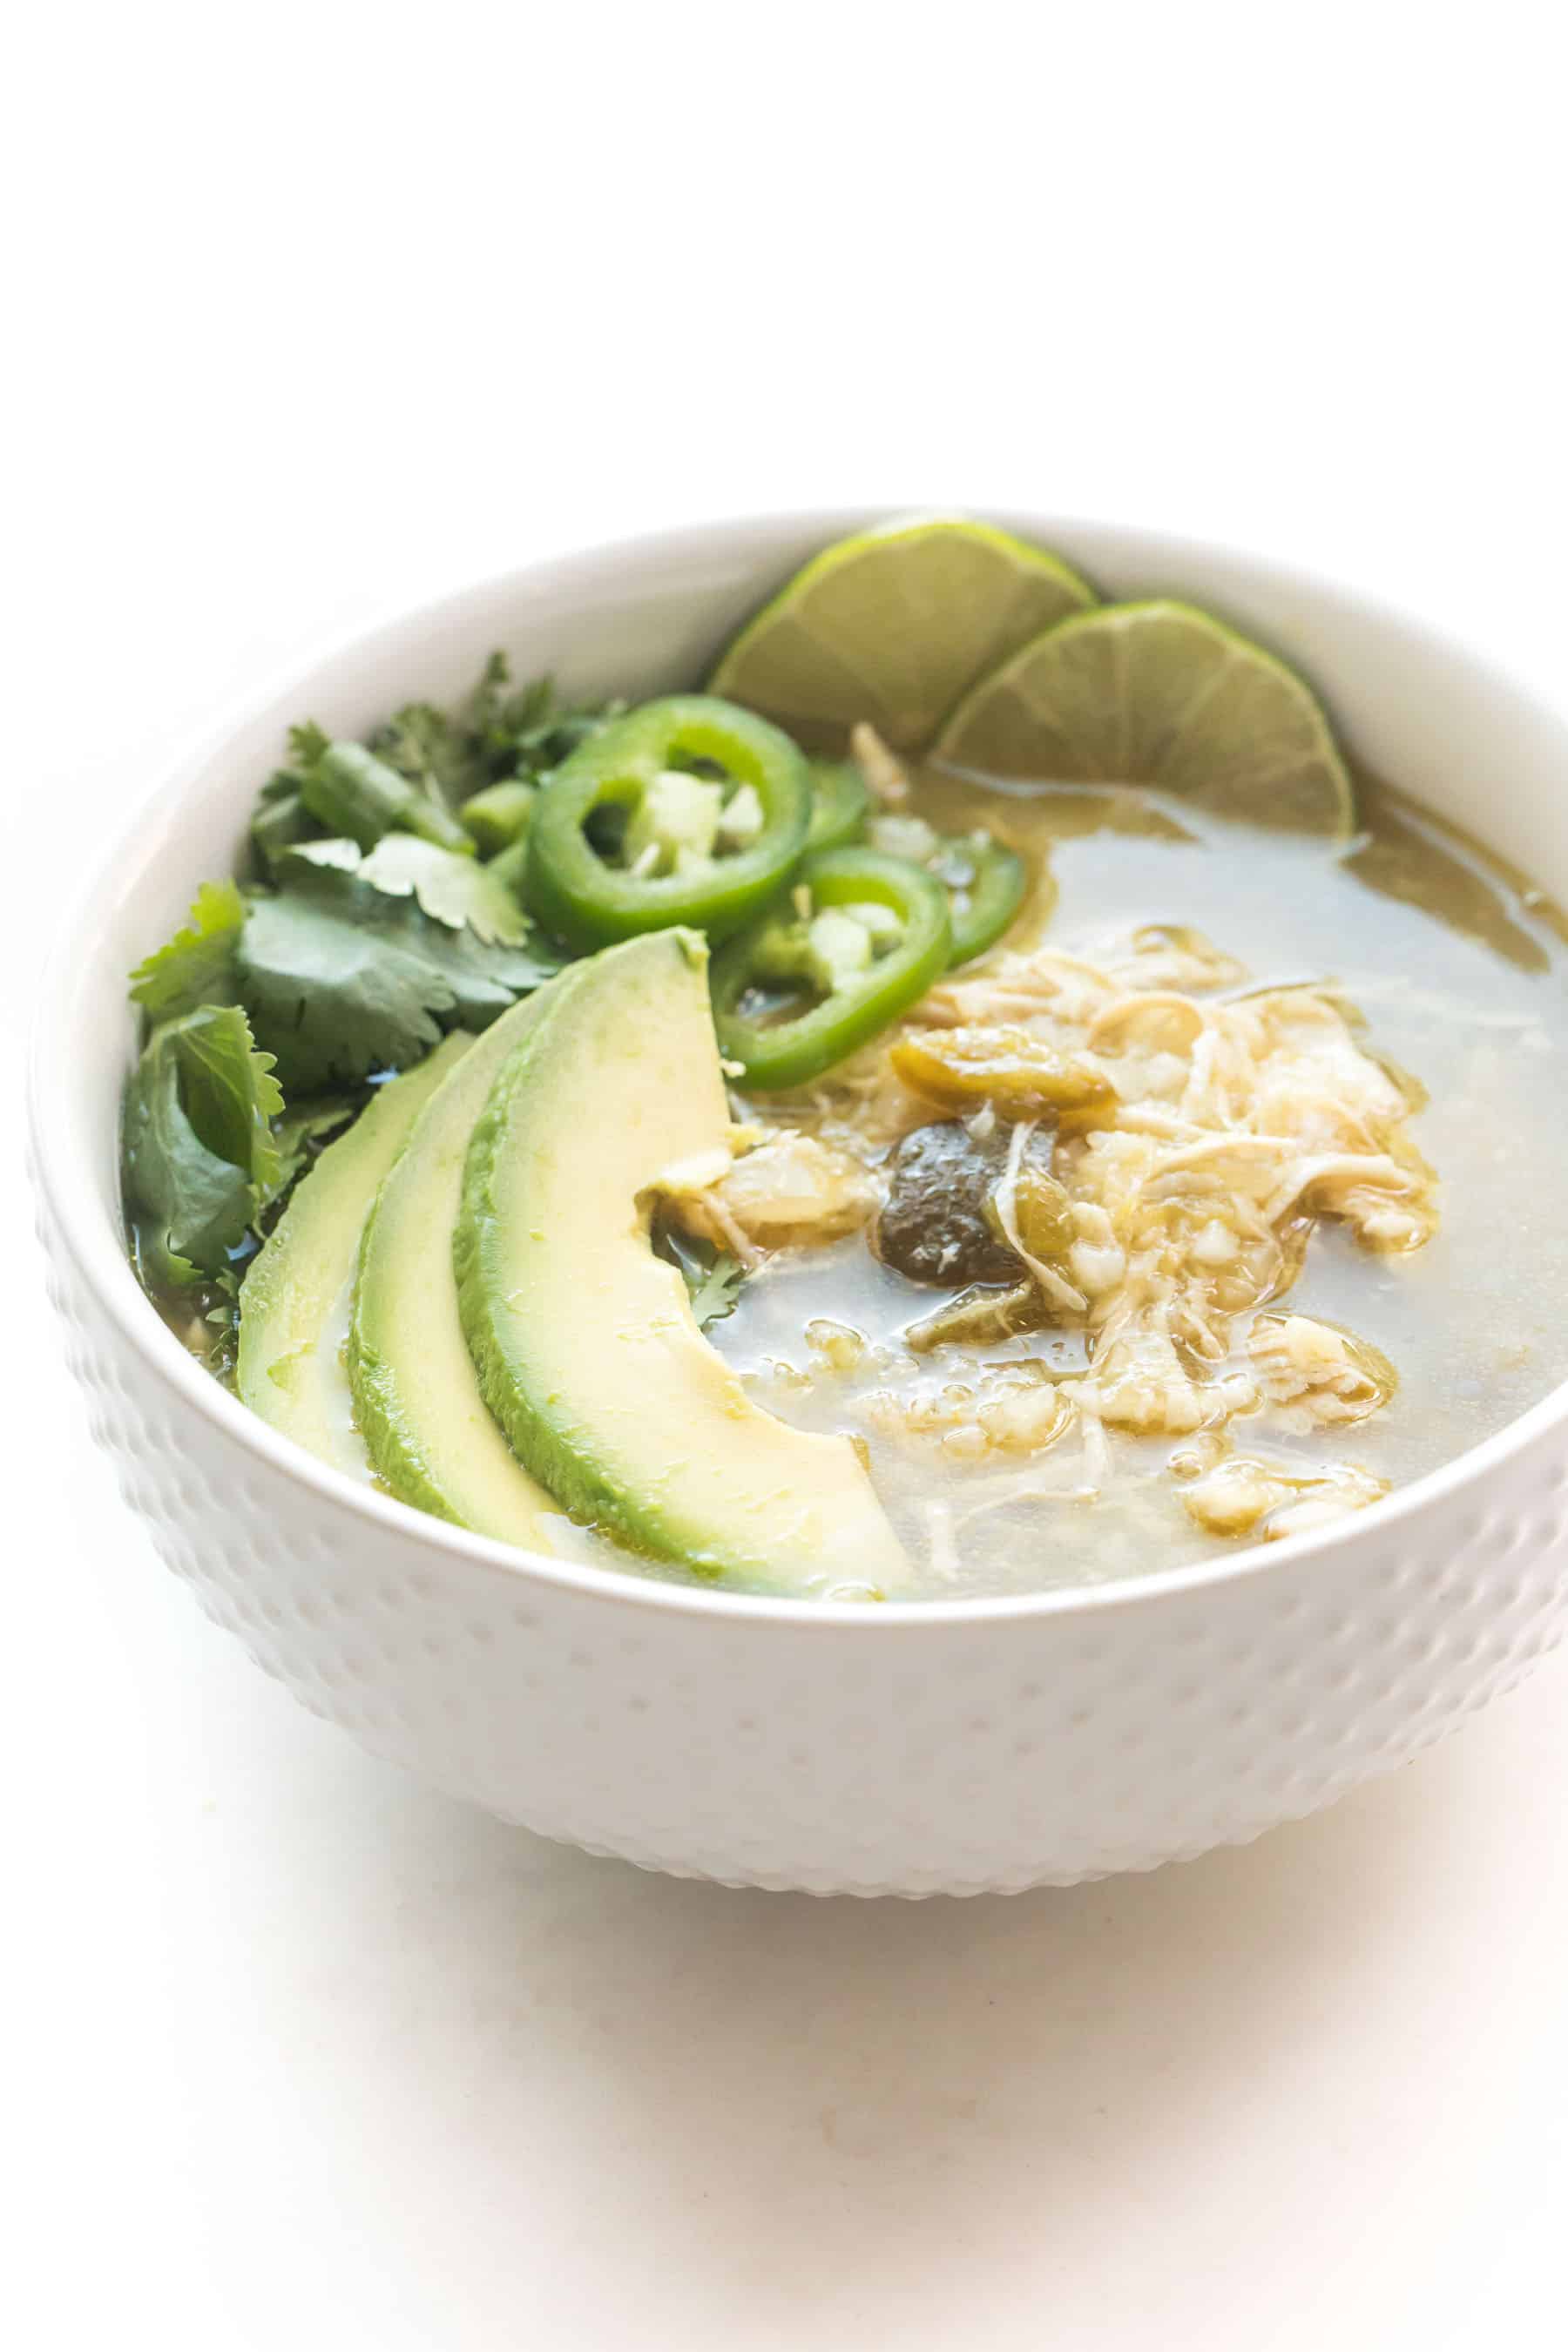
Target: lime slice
(893, 626)
(1159, 694)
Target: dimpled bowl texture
(911, 1750)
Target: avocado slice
(584, 1341)
(430, 1434)
(293, 1306)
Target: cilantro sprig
(197, 966)
(495, 736)
(341, 979)
(451, 889)
(447, 757)
(200, 1157)
(712, 1278)
(281, 998)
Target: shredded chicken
(1005, 1409)
(1059, 1292)
(1233, 1120)
(837, 1347)
(1139, 1382)
(1202, 1128)
(1315, 1376)
(792, 1189)
(884, 771)
(1247, 1496)
(1204, 1125)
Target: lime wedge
(893, 626)
(1159, 694)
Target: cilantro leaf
(221, 1353)
(200, 1156)
(197, 966)
(446, 755)
(332, 998)
(532, 732)
(342, 980)
(488, 702)
(712, 1278)
(432, 750)
(719, 1291)
(301, 1126)
(451, 889)
(280, 819)
(306, 742)
(452, 755)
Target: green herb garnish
(496, 737)
(341, 979)
(197, 966)
(448, 888)
(349, 959)
(712, 1278)
(201, 1157)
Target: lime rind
(892, 626)
(1159, 693)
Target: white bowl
(940, 1746)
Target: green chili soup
(1460, 972)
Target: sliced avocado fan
(584, 1341)
(430, 1434)
(293, 1307)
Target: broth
(1461, 972)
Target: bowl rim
(66, 1198)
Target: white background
(316, 309)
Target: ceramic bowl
(951, 1746)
